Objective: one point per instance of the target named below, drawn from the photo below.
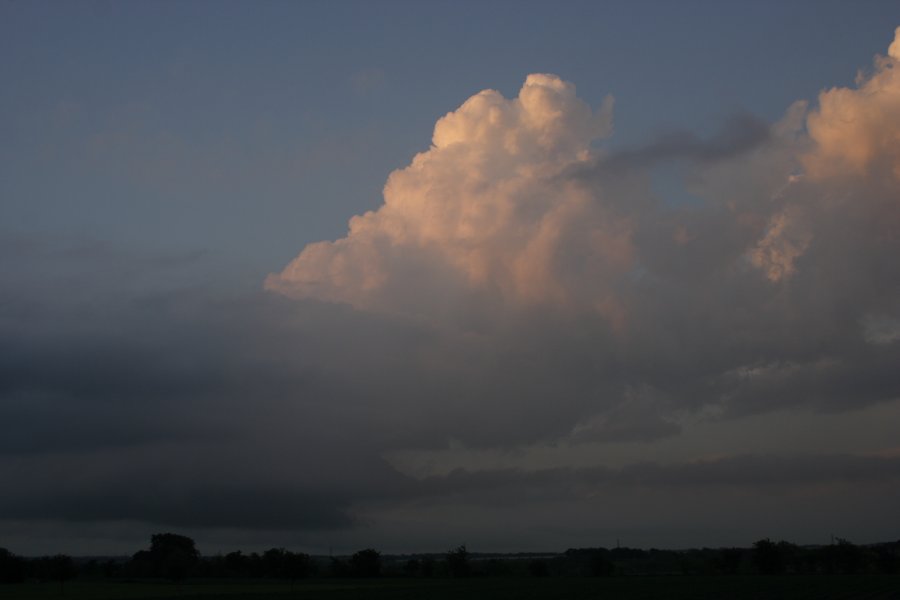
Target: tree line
(175, 557)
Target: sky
(410, 275)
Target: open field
(871, 587)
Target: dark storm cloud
(747, 472)
(182, 408)
(218, 505)
(186, 407)
(113, 371)
(163, 403)
(738, 135)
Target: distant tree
(728, 560)
(412, 567)
(298, 565)
(849, 556)
(236, 564)
(141, 565)
(274, 562)
(495, 567)
(61, 568)
(12, 567)
(366, 563)
(111, 568)
(458, 561)
(170, 555)
(841, 557)
(427, 566)
(163, 544)
(594, 562)
(339, 568)
(767, 557)
(601, 564)
(91, 569)
(255, 565)
(178, 564)
(887, 558)
(538, 568)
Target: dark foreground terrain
(493, 588)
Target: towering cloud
(484, 216)
(856, 130)
(775, 281)
(837, 218)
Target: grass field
(872, 587)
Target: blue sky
(266, 126)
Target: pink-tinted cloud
(483, 215)
(857, 131)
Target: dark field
(675, 587)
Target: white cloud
(484, 216)
(856, 131)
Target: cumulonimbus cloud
(514, 206)
(856, 130)
(849, 174)
(483, 216)
(497, 209)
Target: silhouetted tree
(111, 568)
(62, 569)
(274, 563)
(458, 561)
(841, 557)
(236, 564)
(170, 555)
(12, 567)
(729, 560)
(887, 558)
(163, 544)
(495, 567)
(538, 568)
(177, 564)
(767, 557)
(601, 564)
(298, 565)
(427, 566)
(849, 556)
(412, 567)
(366, 563)
(339, 568)
(594, 562)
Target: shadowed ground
(874, 587)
